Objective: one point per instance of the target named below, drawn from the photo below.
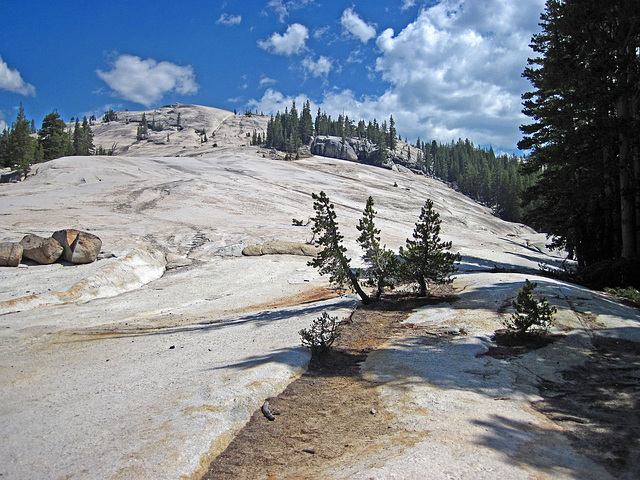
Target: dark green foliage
(53, 138)
(332, 259)
(19, 149)
(530, 313)
(426, 259)
(323, 333)
(392, 142)
(109, 116)
(143, 129)
(111, 151)
(495, 181)
(382, 264)
(83, 138)
(585, 112)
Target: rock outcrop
(352, 149)
(281, 247)
(41, 250)
(78, 247)
(10, 254)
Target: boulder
(10, 254)
(78, 247)
(281, 247)
(41, 250)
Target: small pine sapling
(426, 259)
(530, 313)
(332, 259)
(324, 331)
(382, 264)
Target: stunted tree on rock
(426, 259)
(332, 259)
(382, 263)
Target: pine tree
(585, 109)
(52, 137)
(306, 124)
(86, 136)
(332, 259)
(393, 142)
(21, 147)
(382, 264)
(426, 259)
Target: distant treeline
(495, 181)
(22, 145)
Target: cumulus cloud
(291, 42)
(273, 101)
(352, 24)
(11, 80)
(229, 20)
(458, 68)
(317, 68)
(147, 81)
(454, 72)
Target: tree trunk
(356, 285)
(627, 194)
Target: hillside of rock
(145, 363)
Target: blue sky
(444, 69)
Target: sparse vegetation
(332, 259)
(382, 263)
(109, 116)
(530, 314)
(324, 331)
(426, 259)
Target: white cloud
(318, 68)
(229, 20)
(266, 81)
(354, 25)
(147, 81)
(458, 68)
(12, 81)
(319, 33)
(454, 72)
(273, 101)
(283, 8)
(407, 4)
(291, 42)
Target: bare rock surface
(120, 369)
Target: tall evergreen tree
(21, 147)
(585, 108)
(52, 137)
(393, 142)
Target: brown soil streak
(327, 416)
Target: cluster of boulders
(70, 245)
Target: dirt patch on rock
(331, 414)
